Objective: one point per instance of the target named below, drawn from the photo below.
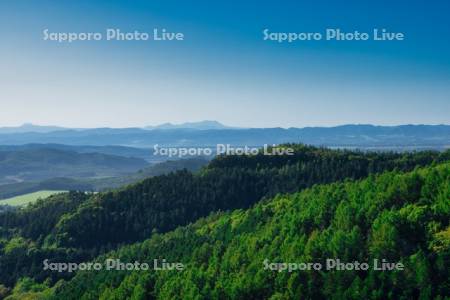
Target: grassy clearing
(28, 198)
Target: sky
(223, 69)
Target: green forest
(226, 221)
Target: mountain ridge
(364, 136)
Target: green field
(28, 198)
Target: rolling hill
(258, 251)
(77, 227)
(100, 184)
(44, 163)
(261, 253)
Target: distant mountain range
(202, 125)
(197, 135)
(28, 127)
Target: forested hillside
(398, 217)
(77, 227)
(164, 202)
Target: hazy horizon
(230, 126)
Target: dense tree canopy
(398, 217)
(78, 227)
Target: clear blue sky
(224, 70)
